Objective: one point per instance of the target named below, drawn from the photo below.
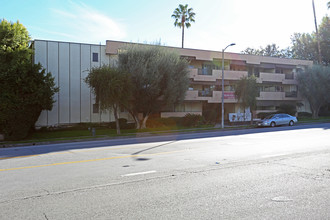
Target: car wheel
(272, 124)
(291, 123)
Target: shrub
(122, 124)
(192, 120)
(154, 123)
(287, 108)
(161, 122)
(304, 115)
(210, 115)
(325, 110)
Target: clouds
(252, 23)
(83, 23)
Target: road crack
(45, 216)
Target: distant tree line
(314, 81)
(303, 46)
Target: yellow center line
(91, 160)
(32, 155)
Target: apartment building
(69, 64)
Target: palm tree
(317, 35)
(183, 16)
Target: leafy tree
(247, 92)
(304, 45)
(183, 16)
(324, 32)
(251, 51)
(111, 88)
(314, 86)
(26, 89)
(159, 78)
(271, 50)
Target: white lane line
(272, 155)
(140, 173)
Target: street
(262, 173)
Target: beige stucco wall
(69, 64)
(112, 47)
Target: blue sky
(252, 23)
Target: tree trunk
(116, 119)
(251, 118)
(137, 121)
(317, 36)
(182, 34)
(315, 111)
(144, 122)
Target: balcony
(290, 79)
(292, 94)
(205, 93)
(271, 96)
(207, 72)
(202, 75)
(289, 76)
(272, 77)
(210, 96)
(230, 74)
(208, 75)
(199, 95)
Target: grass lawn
(320, 119)
(82, 132)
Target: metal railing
(205, 93)
(291, 94)
(289, 76)
(207, 72)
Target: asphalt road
(264, 173)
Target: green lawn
(320, 119)
(81, 132)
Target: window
(95, 57)
(253, 70)
(96, 108)
(179, 108)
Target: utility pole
(317, 35)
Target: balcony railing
(272, 77)
(205, 93)
(207, 72)
(289, 76)
(291, 94)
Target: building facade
(69, 63)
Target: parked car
(277, 119)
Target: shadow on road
(9, 153)
(150, 148)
